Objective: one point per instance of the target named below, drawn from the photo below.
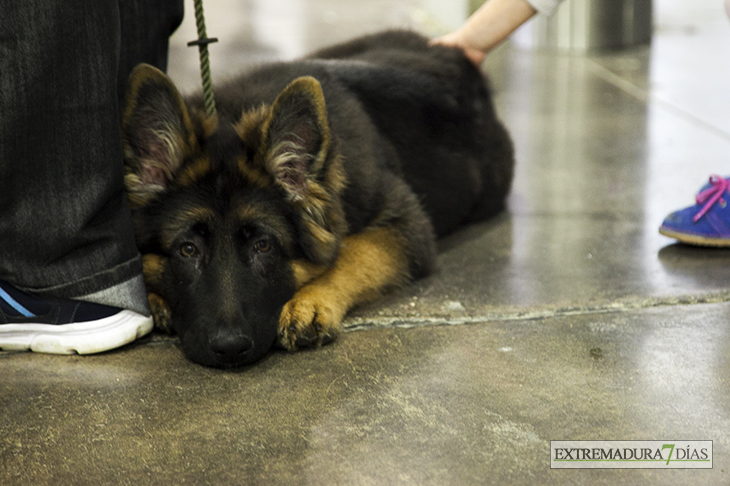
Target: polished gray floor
(568, 317)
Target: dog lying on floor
(320, 184)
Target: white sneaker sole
(78, 338)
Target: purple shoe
(707, 223)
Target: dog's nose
(230, 343)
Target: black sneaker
(64, 326)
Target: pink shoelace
(710, 196)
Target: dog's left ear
(296, 136)
(297, 142)
(157, 133)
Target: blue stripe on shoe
(15, 304)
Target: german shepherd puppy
(320, 185)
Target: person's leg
(65, 227)
(64, 223)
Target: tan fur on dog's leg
(369, 263)
(153, 268)
(160, 313)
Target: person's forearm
(494, 22)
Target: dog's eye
(188, 249)
(262, 246)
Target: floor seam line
(363, 323)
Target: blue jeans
(65, 225)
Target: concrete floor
(569, 317)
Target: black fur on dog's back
(346, 165)
(418, 97)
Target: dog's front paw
(160, 313)
(312, 317)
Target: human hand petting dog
(492, 23)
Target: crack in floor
(622, 305)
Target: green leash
(202, 43)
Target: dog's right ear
(156, 131)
